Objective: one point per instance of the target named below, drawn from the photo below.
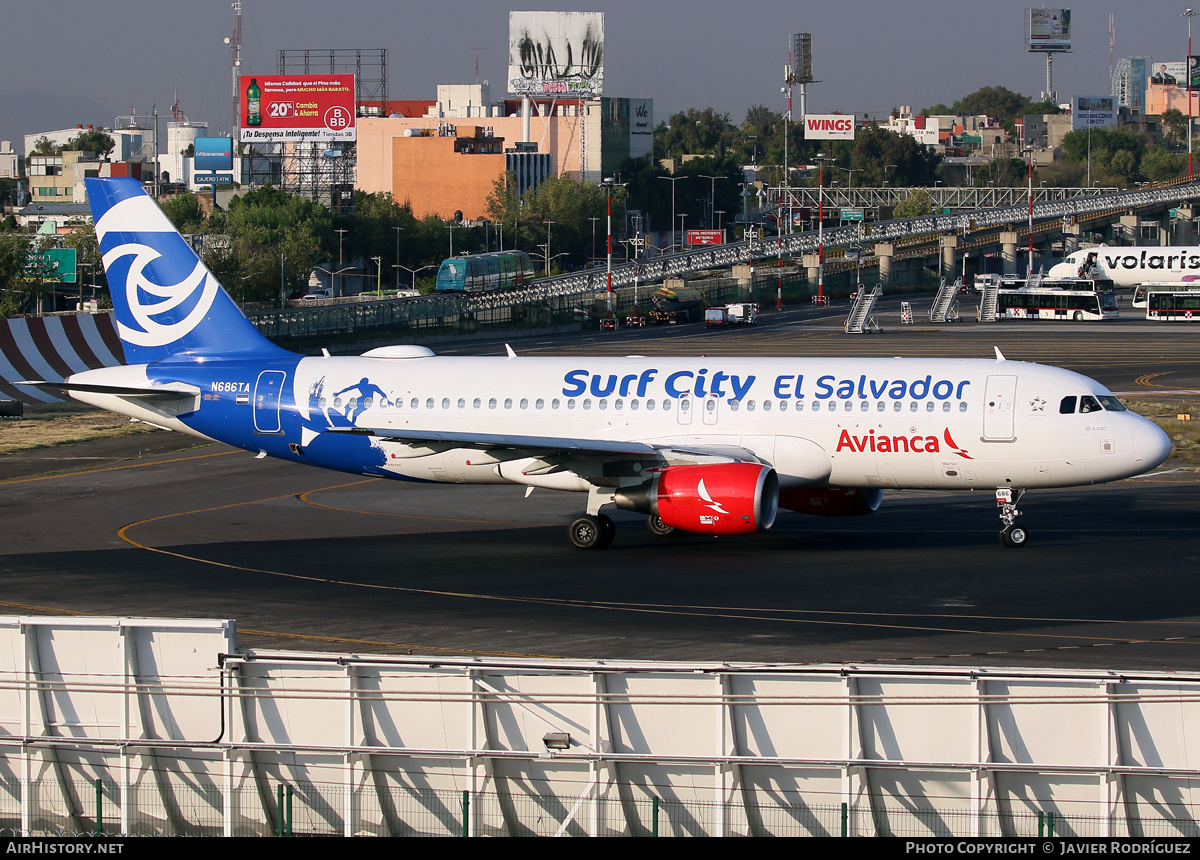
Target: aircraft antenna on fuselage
(999, 354)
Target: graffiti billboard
(556, 54)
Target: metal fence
(100, 808)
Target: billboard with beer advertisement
(296, 108)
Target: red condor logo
(917, 444)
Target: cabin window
(429, 403)
(321, 403)
(587, 404)
(929, 406)
(524, 403)
(880, 406)
(413, 405)
(734, 405)
(602, 403)
(633, 405)
(539, 403)
(508, 403)
(710, 406)
(492, 403)
(849, 405)
(962, 407)
(946, 406)
(445, 402)
(766, 406)
(666, 405)
(554, 403)
(1067, 406)
(462, 404)
(571, 403)
(912, 407)
(650, 405)
(685, 405)
(817, 406)
(865, 406)
(476, 403)
(800, 406)
(897, 406)
(783, 406)
(368, 402)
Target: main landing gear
(592, 531)
(1011, 534)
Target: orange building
(447, 174)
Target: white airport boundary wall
(167, 727)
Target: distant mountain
(30, 111)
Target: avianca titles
(709, 445)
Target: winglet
(509, 350)
(999, 354)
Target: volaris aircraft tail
(165, 300)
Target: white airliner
(709, 445)
(1128, 267)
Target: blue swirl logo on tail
(165, 299)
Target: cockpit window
(1111, 403)
(1067, 407)
(1087, 404)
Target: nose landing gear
(1011, 534)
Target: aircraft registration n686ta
(709, 445)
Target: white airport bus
(1173, 305)
(1054, 304)
(1141, 291)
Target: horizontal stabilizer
(169, 391)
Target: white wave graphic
(199, 283)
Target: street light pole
(342, 281)
(1189, 14)
(672, 180)
(397, 229)
(548, 223)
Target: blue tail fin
(166, 301)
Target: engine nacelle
(719, 499)
(830, 502)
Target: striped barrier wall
(51, 349)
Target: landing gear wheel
(608, 530)
(1014, 536)
(657, 526)
(586, 532)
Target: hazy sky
(870, 55)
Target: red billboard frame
(705, 237)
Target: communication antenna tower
(235, 51)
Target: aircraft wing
(428, 441)
(558, 453)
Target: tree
(694, 132)
(917, 203)
(1175, 125)
(91, 140)
(1160, 164)
(14, 256)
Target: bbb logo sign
(337, 118)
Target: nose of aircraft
(1151, 446)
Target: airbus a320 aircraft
(1128, 267)
(709, 445)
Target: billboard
(1169, 74)
(559, 54)
(705, 237)
(1135, 93)
(927, 136)
(213, 153)
(296, 108)
(1047, 29)
(829, 126)
(1093, 112)
(1191, 79)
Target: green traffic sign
(56, 264)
